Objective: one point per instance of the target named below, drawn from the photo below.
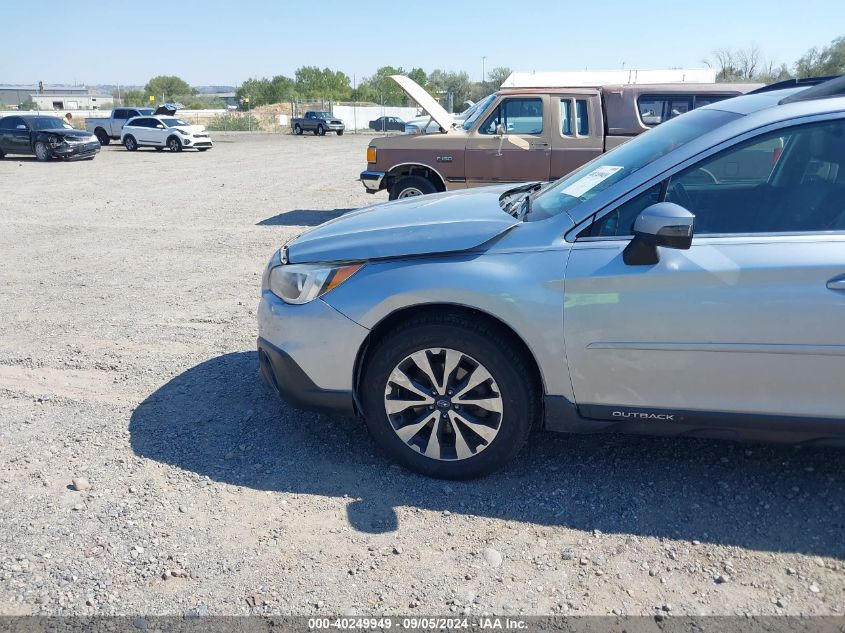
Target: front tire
(340, 132)
(101, 135)
(320, 131)
(130, 143)
(42, 152)
(174, 144)
(411, 187)
(485, 400)
(297, 129)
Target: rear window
(655, 109)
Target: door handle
(836, 284)
(539, 145)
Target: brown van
(525, 134)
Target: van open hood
(426, 101)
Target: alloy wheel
(444, 404)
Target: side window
(566, 117)
(790, 181)
(655, 109)
(620, 221)
(517, 116)
(582, 122)
(10, 122)
(120, 114)
(577, 125)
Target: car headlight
(301, 283)
(55, 141)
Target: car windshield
(47, 123)
(608, 169)
(480, 107)
(174, 122)
(323, 115)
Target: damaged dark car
(45, 137)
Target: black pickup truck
(319, 123)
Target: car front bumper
(76, 151)
(307, 353)
(373, 180)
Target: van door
(523, 153)
(578, 133)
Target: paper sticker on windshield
(583, 185)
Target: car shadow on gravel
(218, 420)
(303, 217)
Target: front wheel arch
(403, 315)
(415, 169)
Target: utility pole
(483, 72)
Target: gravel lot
(127, 326)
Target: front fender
(523, 290)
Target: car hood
(193, 129)
(63, 131)
(426, 101)
(438, 223)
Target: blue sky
(215, 42)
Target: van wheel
(174, 144)
(130, 143)
(449, 397)
(297, 129)
(410, 187)
(101, 135)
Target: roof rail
(793, 83)
(831, 88)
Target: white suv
(164, 131)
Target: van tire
(411, 187)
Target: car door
(578, 135)
(749, 319)
(523, 153)
(17, 137)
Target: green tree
(313, 83)
(747, 65)
(264, 91)
(452, 88)
(168, 87)
(829, 60)
(134, 98)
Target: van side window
(566, 117)
(655, 109)
(577, 125)
(581, 118)
(517, 116)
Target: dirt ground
(129, 286)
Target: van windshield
(608, 169)
(480, 107)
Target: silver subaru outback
(690, 282)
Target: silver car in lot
(690, 282)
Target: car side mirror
(500, 130)
(663, 224)
(160, 127)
